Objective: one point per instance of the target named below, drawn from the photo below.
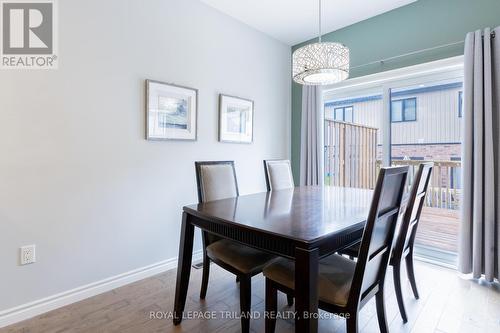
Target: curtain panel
(480, 227)
(311, 138)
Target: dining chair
(278, 174)
(216, 180)
(405, 239)
(345, 286)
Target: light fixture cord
(319, 37)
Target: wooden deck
(438, 228)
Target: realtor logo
(28, 34)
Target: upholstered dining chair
(278, 174)
(345, 286)
(405, 239)
(279, 177)
(216, 180)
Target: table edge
(308, 243)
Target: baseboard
(32, 309)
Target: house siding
(437, 118)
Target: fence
(350, 155)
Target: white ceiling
(295, 21)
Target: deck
(438, 229)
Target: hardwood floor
(448, 303)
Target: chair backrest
(378, 235)
(216, 180)
(278, 174)
(416, 200)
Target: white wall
(77, 177)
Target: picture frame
(171, 111)
(236, 117)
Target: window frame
(453, 174)
(343, 113)
(403, 109)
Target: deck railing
(444, 188)
(350, 154)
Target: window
(404, 110)
(344, 113)
(456, 174)
(460, 103)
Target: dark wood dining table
(303, 224)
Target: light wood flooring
(448, 303)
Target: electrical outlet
(28, 255)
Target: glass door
(426, 127)
(403, 117)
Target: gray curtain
(480, 227)
(311, 139)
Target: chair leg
(411, 274)
(271, 307)
(396, 270)
(289, 299)
(245, 302)
(382, 321)
(352, 323)
(204, 279)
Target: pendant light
(320, 63)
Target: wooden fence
(350, 155)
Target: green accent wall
(420, 25)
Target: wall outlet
(27, 254)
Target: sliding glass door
(426, 127)
(402, 118)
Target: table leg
(306, 290)
(183, 267)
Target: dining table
(303, 224)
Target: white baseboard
(32, 309)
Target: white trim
(378, 79)
(35, 308)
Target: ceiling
(295, 21)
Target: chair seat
(335, 277)
(243, 258)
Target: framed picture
(171, 111)
(235, 119)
